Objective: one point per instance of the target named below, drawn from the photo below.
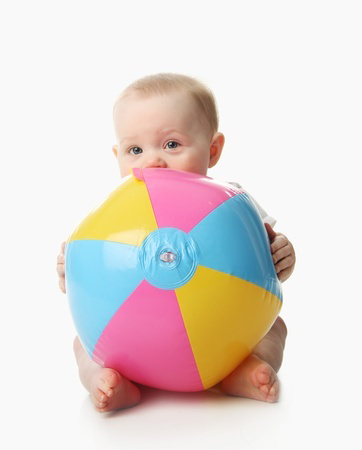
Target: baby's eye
(172, 144)
(135, 150)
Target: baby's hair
(164, 83)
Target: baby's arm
(61, 269)
(282, 252)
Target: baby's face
(161, 131)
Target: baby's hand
(282, 252)
(61, 268)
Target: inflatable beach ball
(171, 281)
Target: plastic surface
(171, 281)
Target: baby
(171, 121)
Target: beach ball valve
(168, 257)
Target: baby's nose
(155, 162)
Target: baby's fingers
(280, 254)
(61, 261)
(62, 284)
(60, 258)
(61, 274)
(279, 242)
(61, 268)
(60, 264)
(284, 264)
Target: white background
(287, 76)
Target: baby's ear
(115, 150)
(217, 144)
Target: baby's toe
(108, 380)
(111, 378)
(266, 381)
(263, 375)
(99, 396)
(99, 399)
(101, 407)
(271, 391)
(254, 378)
(102, 386)
(111, 391)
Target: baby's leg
(256, 376)
(108, 389)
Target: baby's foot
(254, 378)
(110, 391)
